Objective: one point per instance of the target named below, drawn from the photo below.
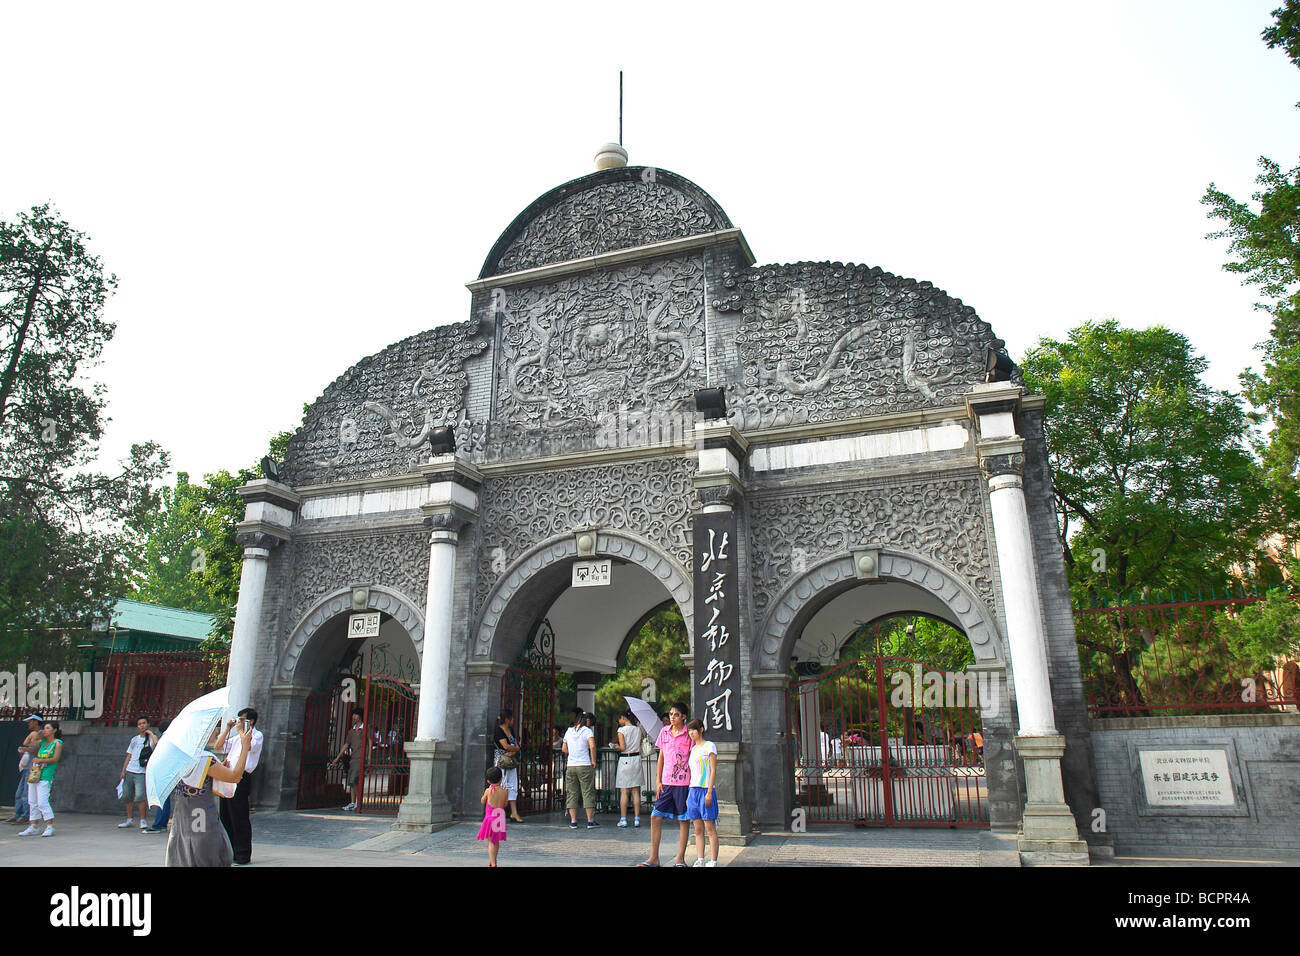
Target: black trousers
(234, 817)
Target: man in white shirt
(133, 768)
(234, 811)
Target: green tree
(1153, 475)
(191, 557)
(1265, 244)
(655, 653)
(68, 532)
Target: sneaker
(143, 825)
(49, 831)
(30, 831)
(350, 806)
(637, 823)
(592, 824)
(711, 863)
(622, 824)
(573, 824)
(699, 862)
(124, 824)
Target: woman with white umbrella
(197, 837)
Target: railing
(153, 684)
(1181, 657)
(156, 684)
(606, 777)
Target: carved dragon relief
(385, 408)
(821, 341)
(584, 346)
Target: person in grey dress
(196, 837)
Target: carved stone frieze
(606, 217)
(825, 340)
(586, 346)
(992, 465)
(941, 519)
(652, 499)
(376, 418)
(397, 560)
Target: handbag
(34, 775)
(507, 761)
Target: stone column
(718, 486)
(269, 509)
(1048, 833)
(451, 505)
(586, 681)
(773, 752)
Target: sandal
(647, 863)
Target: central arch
(535, 578)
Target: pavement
(332, 838)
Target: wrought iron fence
(1181, 657)
(157, 684)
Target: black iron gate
(528, 688)
(389, 707)
(885, 741)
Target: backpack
(145, 753)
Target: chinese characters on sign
(364, 625)
(717, 623)
(591, 574)
(1187, 778)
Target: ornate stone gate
(578, 414)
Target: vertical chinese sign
(717, 626)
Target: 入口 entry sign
(364, 625)
(592, 574)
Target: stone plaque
(591, 574)
(1187, 778)
(364, 625)
(717, 625)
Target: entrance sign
(717, 623)
(592, 574)
(364, 625)
(1187, 778)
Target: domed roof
(612, 209)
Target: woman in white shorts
(629, 776)
(506, 744)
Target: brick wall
(1264, 760)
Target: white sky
(283, 189)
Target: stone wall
(1264, 760)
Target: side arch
(385, 599)
(796, 604)
(544, 560)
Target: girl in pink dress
(494, 801)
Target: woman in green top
(47, 759)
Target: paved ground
(334, 838)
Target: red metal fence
(864, 756)
(153, 684)
(1181, 657)
(157, 684)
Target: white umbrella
(185, 741)
(646, 716)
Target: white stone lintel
(946, 436)
(442, 493)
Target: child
(701, 801)
(494, 802)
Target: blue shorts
(671, 804)
(695, 808)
